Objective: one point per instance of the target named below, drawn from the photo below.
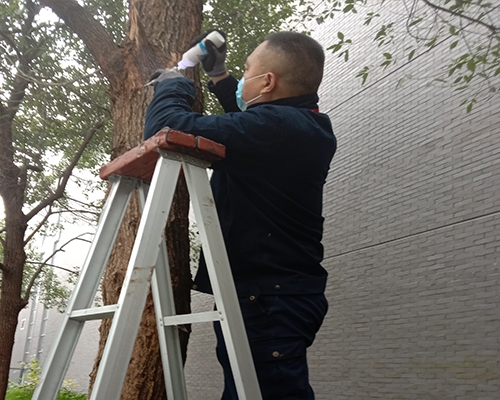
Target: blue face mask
(242, 104)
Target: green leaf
(453, 45)
(381, 33)
(469, 107)
(416, 21)
(388, 55)
(363, 74)
(340, 35)
(453, 30)
(385, 64)
(410, 56)
(471, 65)
(369, 18)
(431, 43)
(497, 72)
(348, 8)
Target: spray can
(196, 53)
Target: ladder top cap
(140, 161)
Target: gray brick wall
(412, 209)
(412, 229)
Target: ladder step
(184, 319)
(88, 314)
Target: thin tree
(32, 187)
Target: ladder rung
(88, 314)
(191, 318)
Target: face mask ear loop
(255, 98)
(259, 96)
(255, 77)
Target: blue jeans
(279, 330)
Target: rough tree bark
(158, 32)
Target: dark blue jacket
(268, 190)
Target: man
(268, 193)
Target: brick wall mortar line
(415, 234)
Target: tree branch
(16, 96)
(7, 39)
(39, 226)
(44, 263)
(64, 83)
(20, 84)
(3, 111)
(53, 266)
(492, 28)
(83, 203)
(97, 40)
(63, 180)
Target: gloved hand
(162, 74)
(214, 63)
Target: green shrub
(25, 393)
(19, 393)
(25, 390)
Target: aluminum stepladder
(148, 268)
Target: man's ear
(270, 83)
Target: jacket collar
(305, 101)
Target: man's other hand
(162, 74)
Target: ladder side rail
(62, 349)
(222, 282)
(164, 305)
(119, 345)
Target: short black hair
(305, 60)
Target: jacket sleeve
(249, 136)
(225, 90)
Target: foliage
(246, 24)
(194, 244)
(25, 390)
(22, 393)
(468, 28)
(62, 101)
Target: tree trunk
(11, 302)
(12, 185)
(158, 33)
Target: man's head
(290, 64)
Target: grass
(25, 390)
(26, 393)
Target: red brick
(181, 139)
(140, 161)
(209, 146)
